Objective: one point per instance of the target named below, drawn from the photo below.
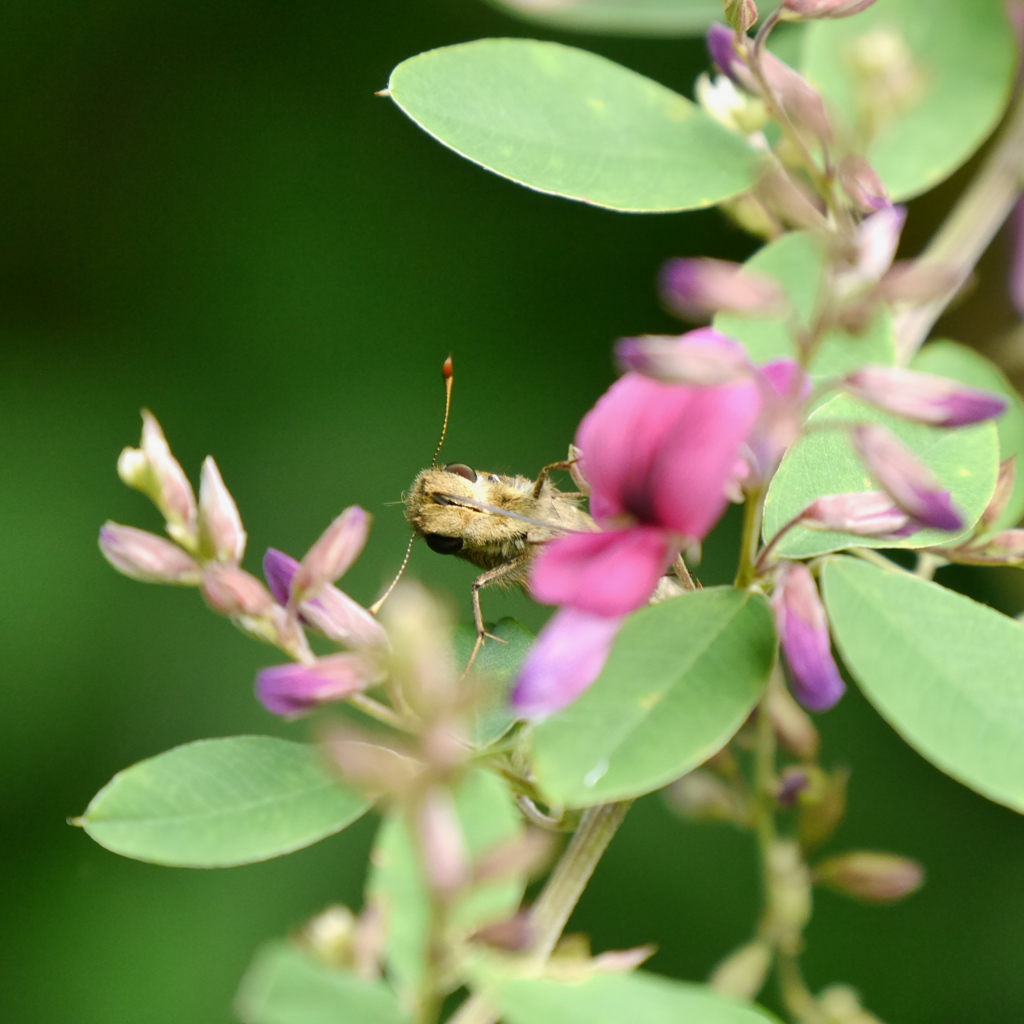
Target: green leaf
(965, 460)
(285, 986)
(218, 803)
(950, 359)
(943, 670)
(622, 17)
(964, 59)
(637, 997)
(574, 124)
(796, 262)
(489, 817)
(681, 678)
(497, 665)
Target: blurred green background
(206, 211)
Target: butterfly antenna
(447, 372)
(376, 606)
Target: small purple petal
(566, 658)
(294, 689)
(723, 51)
(803, 633)
(697, 287)
(278, 571)
(607, 574)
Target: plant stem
(968, 230)
(752, 512)
(560, 894)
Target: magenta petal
(603, 573)
(278, 570)
(566, 658)
(294, 689)
(804, 637)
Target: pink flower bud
(1005, 548)
(370, 762)
(793, 10)
(792, 203)
(167, 485)
(874, 247)
(147, 557)
(294, 689)
(864, 513)
(1001, 495)
(721, 43)
(442, 844)
(800, 100)
(922, 397)
(803, 633)
(235, 593)
(221, 535)
(695, 288)
(862, 184)
(703, 357)
(515, 934)
(873, 877)
(910, 484)
(333, 553)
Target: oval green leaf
(622, 17)
(950, 359)
(571, 123)
(963, 60)
(495, 668)
(285, 986)
(943, 670)
(637, 997)
(489, 817)
(681, 678)
(965, 460)
(218, 803)
(796, 261)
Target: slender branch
(560, 894)
(968, 230)
(752, 512)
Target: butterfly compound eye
(461, 469)
(441, 544)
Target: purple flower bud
(333, 553)
(862, 184)
(331, 613)
(793, 10)
(803, 633)
(221, 534)
(703, 357)
(721, 42)
(566, 658)
(877, 239)
(922, 397)
(294, 689)
(147, 557)
(793, 782)
(235, 593)
(910, 484)
(864, 513)
(870, 876)
(694, 288)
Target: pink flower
(659, 459)
(294, 689)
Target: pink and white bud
(295, 689)
(221, 535)
(800, 100)
(332, 612)
(803, 634)
(864, 513)
(695, 288)
(145, 556)
(910, 484)
(235, 593)
(806, 10)
(163, 480)
(442, 843)
(874, 248)
(862, 184)
(371, 763)
(791, 203)
(515, 934)
(922, 397)
(703, 357)
(333, 553)
(1004, 548)
(870, 876)
(741, 14)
